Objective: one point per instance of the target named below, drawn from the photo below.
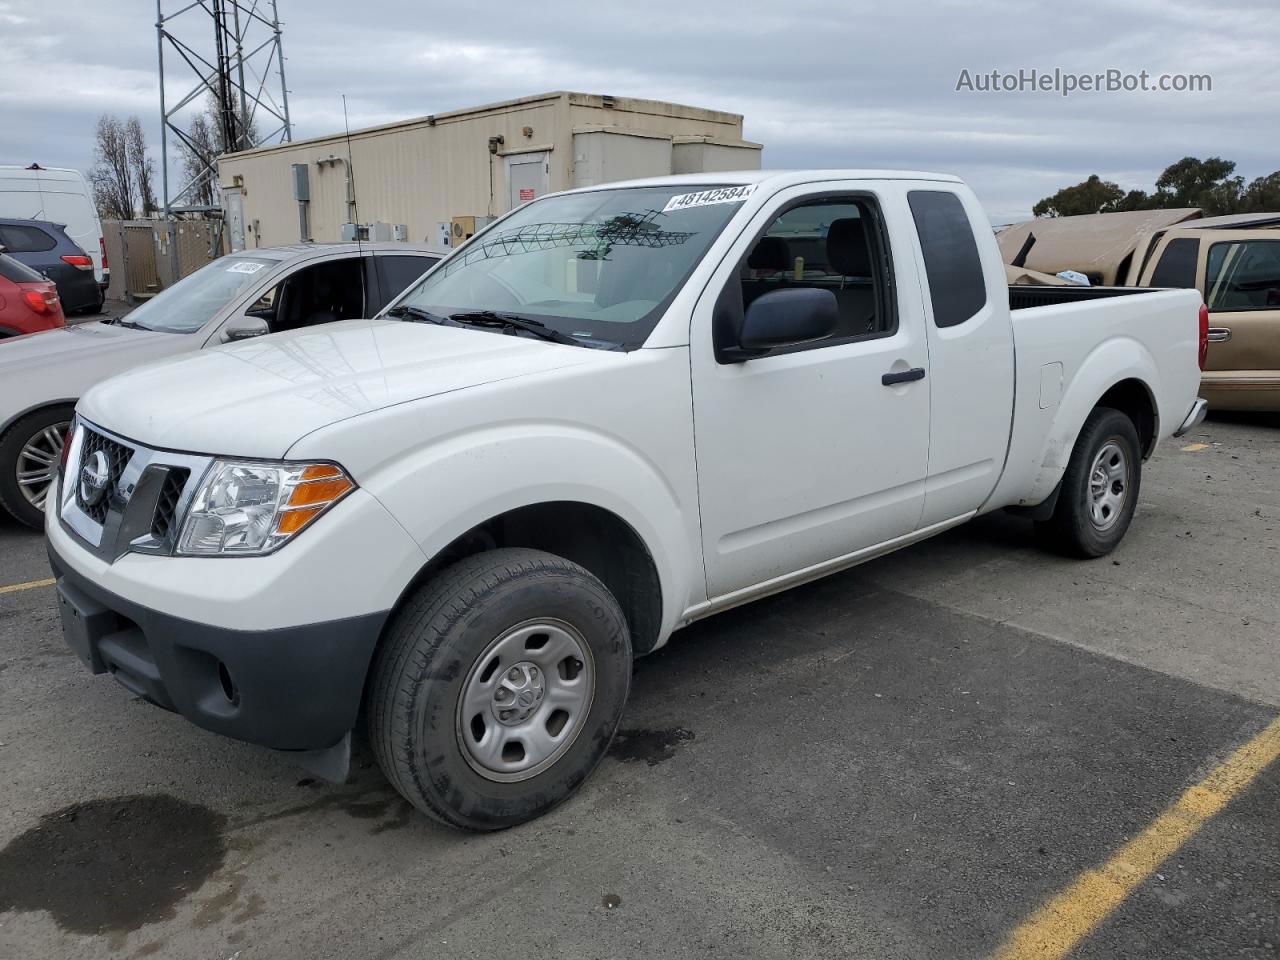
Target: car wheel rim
(525, 700)
(1108, 485)
(38, 463)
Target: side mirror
(245, 328)
(783, 318)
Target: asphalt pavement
(906, 760)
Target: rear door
(971, 358)
(806, 456)
(1241, 270)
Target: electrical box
(443, 233)
(401, 232)
(464, 228)
(378, 232)
(301, 183)
(350, 232)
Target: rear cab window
(957, 284)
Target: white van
(60, 195)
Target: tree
(1263, 195)
(1094, 195)
(122, 175)
(142, 166)
(1199, 183)
(206, 141)
(1191, 182)
(114, 192)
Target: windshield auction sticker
(244, 266)
(705, 198)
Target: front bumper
(289, 688)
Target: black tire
(11, 444)
(1073, 528)
(431, 651)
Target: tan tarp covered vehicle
(1099, 245)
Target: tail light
(1204, 334)
(41, 301)
(102, 245)
(79, 261)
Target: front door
(806, 456)
(1242, 289)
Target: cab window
(320, 293)
(827, 244)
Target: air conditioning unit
(464, 228)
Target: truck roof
(779, 178)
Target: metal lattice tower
(242, 70)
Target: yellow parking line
(31, 585)
(1058, 926)
(1193, 447)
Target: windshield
(596, 266)
(191, 302)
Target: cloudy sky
(821, 84)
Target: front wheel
(1100, 487)
(30, 452)
(498, 688)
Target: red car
(28, 302)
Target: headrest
(770, 253)
(847, 249)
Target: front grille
(167, 503)
(118, 456)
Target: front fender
(1116, 360)
(445, 488)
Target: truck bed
(1025, 295)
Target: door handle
(903, 376)
(1219, 334)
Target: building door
(233, 202)
(528, 176)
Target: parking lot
(904, 760)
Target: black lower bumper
(296, 688)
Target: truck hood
(258, 398)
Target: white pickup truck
(613, 412)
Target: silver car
(241, 295)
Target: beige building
(440, 176)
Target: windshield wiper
(488, 318)
(418, 314)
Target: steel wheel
(1108, 485)
(37, 464)
(525, 700)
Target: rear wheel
(30, 452)
(498, 688)
(1100, 487)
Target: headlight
(247, 508)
